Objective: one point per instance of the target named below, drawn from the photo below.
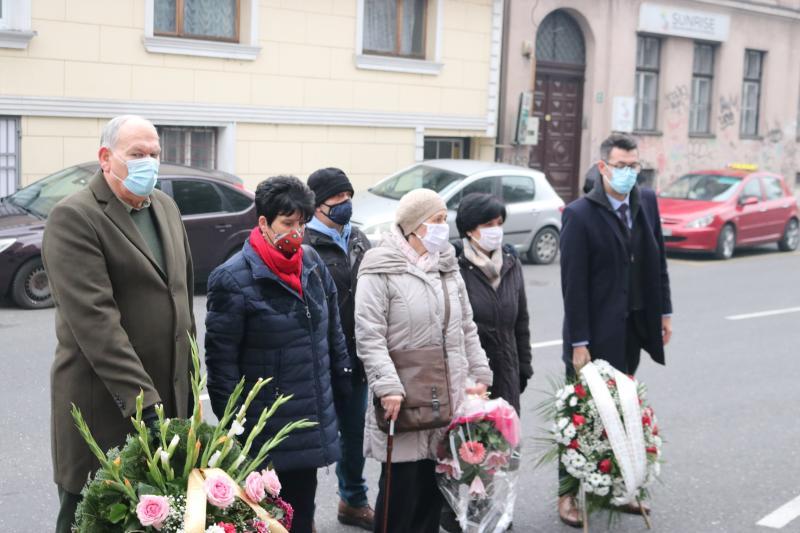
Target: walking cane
(387, 488)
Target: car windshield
(703, 187)
(39, 198)
(420, 176)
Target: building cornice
(222, 114)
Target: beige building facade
(701, 84)
(252, 87)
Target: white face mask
(436, 239)
(491, 238)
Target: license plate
(666, 232)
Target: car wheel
(726, 242)
(30, 288)
(544, 247)
(791, 236)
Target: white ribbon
(626, 439)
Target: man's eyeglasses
(636, 167)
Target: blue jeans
(350, 469)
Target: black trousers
(635, 336)
(298, 488)
(68, 503)
(415, 503)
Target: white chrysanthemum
(215, 529)
(657, 441)
(570, 431)
(588, 488)
(562, 422)
(579, 461)
(605, 480)
(560, 405)
(602, 491)
(573, 401)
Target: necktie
(622, 211)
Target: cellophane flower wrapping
(478, 464)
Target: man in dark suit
(120, 270)
(614, 278)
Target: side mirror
(748, 200)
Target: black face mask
(340, 213)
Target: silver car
(533, 208)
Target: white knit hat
(416, 207)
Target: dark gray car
(216, 210)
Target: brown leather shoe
(363, 517)
(568, 511)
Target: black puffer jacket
(344, 269)
(257, 326)
(503, 323)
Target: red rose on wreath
(573, 445)
(653, 450)
(580, 391)
(611, 383)
(604, 466)
(578, 420)
(645, 420)
(655, 431)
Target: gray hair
(110, 134)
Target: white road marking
(546, 344)
(781, 516)
(764, 313)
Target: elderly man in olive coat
(118, 261)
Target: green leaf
(117, 513)
(144, 488)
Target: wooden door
(557, 102)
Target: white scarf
(491, 266)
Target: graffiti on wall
(674, 152)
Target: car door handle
(223, 227)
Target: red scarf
(287, 269)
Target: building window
(9, 155)
(191, 146)
(648, 52)
(702, 82)
(751, 92)
(395, 27)
(446, 148)
(216, 20)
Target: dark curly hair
(476, 209)
(284, 195)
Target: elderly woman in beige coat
(400, 306)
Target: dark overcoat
(122, 322)
(595, 271)
(344, 270)
(503, 323)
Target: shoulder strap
(446, 298)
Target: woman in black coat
(272, 312)
(496, 288)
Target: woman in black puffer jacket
(272, 312)
(496, 287)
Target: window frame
(187, 144)
(757, 181)
(179, 23)
(749, 81)
(462, 141)
(696, 107)
(494, 180)
(765, 188)
(643, 71)
(399, 4)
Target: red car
(719, 210)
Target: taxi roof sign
(743, 166)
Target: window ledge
(398, 64)
(648, 133)
(751, 137)
(702, 136)
(194, 47)
(16, 38)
